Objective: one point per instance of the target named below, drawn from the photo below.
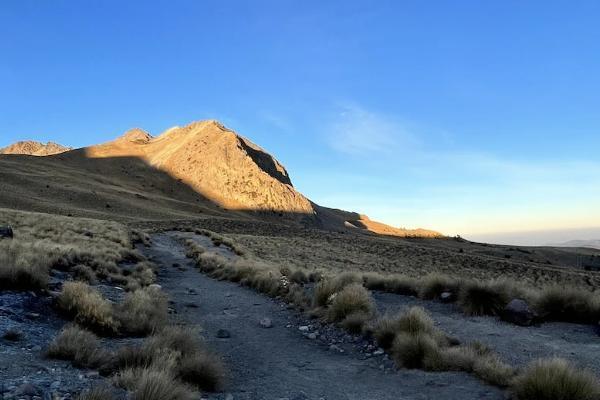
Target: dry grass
(352, 299)
(327, 288)
(23, 266)
(79, 346)
(153, 384)
(555, 379)
(433, 285)
(355, 322)
(143, 311)
(179, 352)
(568, 304)
(97, 393)
(88, 308)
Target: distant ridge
(594, 243)
(230, 173)
(33, 148)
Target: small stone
(266, 323)
(223, 334)
(32, 315)
(36, 348)
(446, 297)
(155, 286)
(312, 336)
(378, 352)
(228, 396)
(92, 374)
(303, 328)
(55, 385)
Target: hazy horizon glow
(465, 117)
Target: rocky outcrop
(32, 148)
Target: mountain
(202, 169)
(32, 148)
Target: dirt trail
(279, 362)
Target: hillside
(33, 148)
(202, 169)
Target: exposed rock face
(33, 148)
(216, 162)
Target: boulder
(6, 232)
(518, 312)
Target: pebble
(378, 352)
(266, 323)
(312, 336)
(303, 328)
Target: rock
(446, 297)
(303, 328)
(32, 315)
(6, 232)
(27, 389)
(155, 286)
(378, 352)
(266, 323)
(312, 336)
(517, 311)
(228, 396)
(223, 334)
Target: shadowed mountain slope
(202, 169)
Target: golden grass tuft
(555, 379)
(79, 346)
(568, 304)
(352, 299)
(143, 311)
(433, 285)
(87, 306)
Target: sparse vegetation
(555, 379)
(87, 307)
(352, 299)
(79, 346)
(568, 304)
(97, 393)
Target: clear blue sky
(463, 116)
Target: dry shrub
(373, 281)
(568, 304)
(87, 306)
(97, 393)
(153, 384)
(84, 273)
(478, 298)
(298, 276)
(356, 321)
(414, 321)
(433, 285)
(555, 379)
(23, 266)
(326, 288)
(79, 346)
(402, 285)
(143, 311)
(412, 350)
(494, 371)
(178, 350)
(352, 299)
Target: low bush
(23, 266)
(79, 346)
(479, 298)
(153, 384)
(433, 285)
(87, 306)
(356, 321)
(352, 299)
(555, 379)
(568, 304)
(143, 311)
(414, 350)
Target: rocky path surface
(282, 362)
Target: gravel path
(279, 362)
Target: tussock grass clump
(414, 350)
(356, 321)
(415, 321)
(326, 288)
(84, 273)
(23, 266)
(153, 384)
(178, 350)
(79, 346)
(87, 306)
(352, 299)
(298, 276)
(97, 393)
(555, 379)
(479, 298)
(398, 284)
(568, 304)
(143, 311)
(433, 285)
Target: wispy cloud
(356, 130)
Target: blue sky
(468, 117)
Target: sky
(467, 117)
